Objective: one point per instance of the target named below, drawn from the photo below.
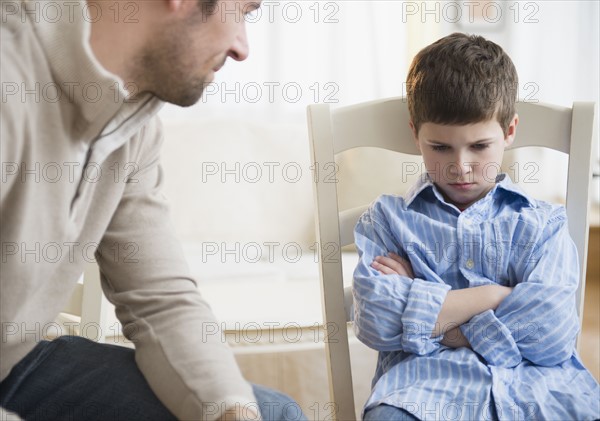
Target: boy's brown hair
(462, 79)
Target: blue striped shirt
(523, 363)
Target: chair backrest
(384, 124)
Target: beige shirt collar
(64, 33)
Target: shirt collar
(424, 182)
(503, 183)
(96, 92)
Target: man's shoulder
(14, 19)
(146, 142)
(25, 71)
(26, 82)
(150, 132)
(11, 40)
(19, 43)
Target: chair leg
(94, 309)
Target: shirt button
(470, 264)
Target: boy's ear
(414, 133)
(512, 131)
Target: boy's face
(463, 161)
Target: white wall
(344, 52)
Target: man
(80, 141)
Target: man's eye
(251, 11)
(480, 146)
(439, 148)
(252, 15)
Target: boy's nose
(460, 168)
(466, 167)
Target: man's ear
(178, 5)
(182, 8)
(414, 133)
(512, 131)
(174, 5)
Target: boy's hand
(454, 338)
(393, 264)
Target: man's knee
(69, 340)
(275, 405)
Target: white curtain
(342, 52)
(304, 52)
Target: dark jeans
(73, 378)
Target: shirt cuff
(491, 339)
(423, 306)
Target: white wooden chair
(89, 304)
(384, 124)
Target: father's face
(185, 55)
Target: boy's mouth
(461, 186)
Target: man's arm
(179, 345)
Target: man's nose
(239, 49)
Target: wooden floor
(590, 336)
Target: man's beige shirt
(81, 176)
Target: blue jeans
(73, 378)
(385, 412)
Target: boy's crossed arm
(460, 305)
(535, 320)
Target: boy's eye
(439, 148)
(480, 146)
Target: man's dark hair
(462, 79)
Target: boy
(467, 285)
